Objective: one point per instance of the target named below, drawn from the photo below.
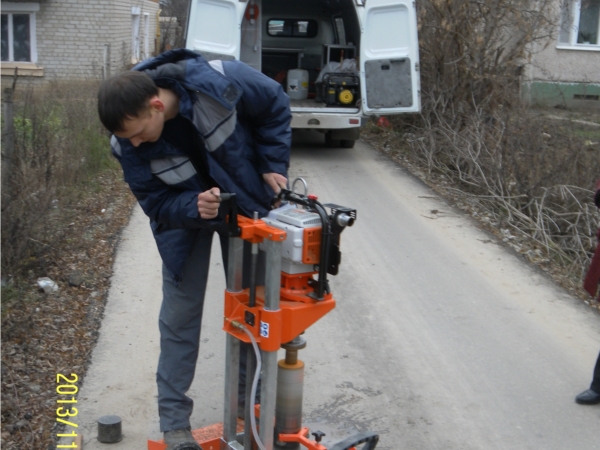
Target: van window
(292, 28)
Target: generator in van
(339, 60)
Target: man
(185, 130)
(591, 396)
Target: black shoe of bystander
(588, 397)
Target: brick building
(76, 39)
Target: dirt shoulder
(561, 128)
(45, 334)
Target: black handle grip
(318, 435)
(230, 198)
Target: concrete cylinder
(288, 408)
(109, 429)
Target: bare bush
(528, 180)
(174, 15)
(473, 50)
(171, 34)
(58, 145)
(531, 178)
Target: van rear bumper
(316, 121)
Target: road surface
(441, 338)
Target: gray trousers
(179, 323)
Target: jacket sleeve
(167, 206)
(267, 107)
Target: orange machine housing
(298, 310)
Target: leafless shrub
(173, 22)
(531, 178)
(58, 145)
(171, 34)
(534, 180)
(473, 50)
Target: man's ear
(157, 104)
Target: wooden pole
(8, 138)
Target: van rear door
(389, 57)
(213, 28)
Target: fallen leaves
(48, 333)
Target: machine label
(264, 329)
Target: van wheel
(330, 142)
(347, 143)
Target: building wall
(563, 75)
(568, 65)
(121, 52)
(69, 38)
(87, 39)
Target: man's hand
(275, 180)
(208, 203)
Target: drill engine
(313, 237)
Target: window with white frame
(580, 23)
(18, 32)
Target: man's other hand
(275, 180)
(208, 203)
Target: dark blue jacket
(244, 119)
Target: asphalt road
(441, 338)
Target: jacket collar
(184, 70)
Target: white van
(338, 60)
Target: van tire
(330, 142)
(344, 137)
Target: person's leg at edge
(591, 396)
(595, 386)
(180, 320)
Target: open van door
(214, 28)
(389, 57)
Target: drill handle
(232, 213)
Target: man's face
(145, 128)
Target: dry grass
(63, 205)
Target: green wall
(569, 95)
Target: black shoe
(181, 440)
(588, 397)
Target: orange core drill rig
(301, 241)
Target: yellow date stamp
(66, 388)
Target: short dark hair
(124, 96)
